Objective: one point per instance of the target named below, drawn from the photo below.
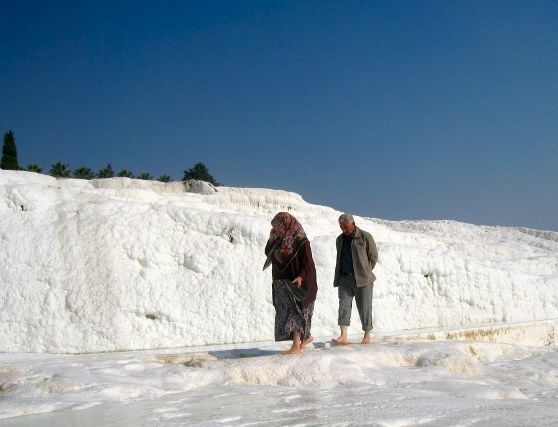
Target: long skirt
(289, 315)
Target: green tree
(145, 175)
(34, 168)
(165, 178)
(84, 173)
(106, 172)
(200, 172)
(60, 170)
(125, 173)
(9, 152)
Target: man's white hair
(346, 217)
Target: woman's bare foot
(340, 341)
(293, 350)
(306, 342)
(366, 339)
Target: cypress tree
(9, 152)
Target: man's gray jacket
(364, 254)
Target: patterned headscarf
(294, 235)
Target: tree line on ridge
(61, 170)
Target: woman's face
(279, 230)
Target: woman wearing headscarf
(294, 281)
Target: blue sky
(396, 109)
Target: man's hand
(273, 235)
(298, 281)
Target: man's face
(347, 227)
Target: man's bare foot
(366, 339)
(293, 350)
(340, 341)
(306, 342)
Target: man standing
(356, 257)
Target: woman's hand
(298, 281)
